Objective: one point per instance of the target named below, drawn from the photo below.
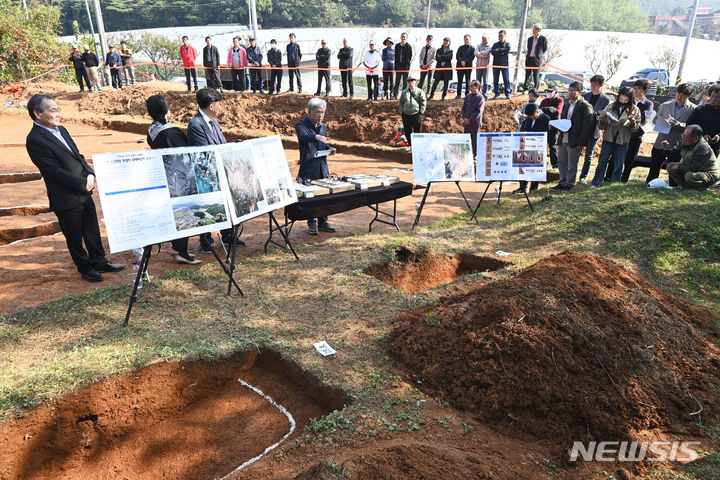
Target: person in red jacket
(188, 54)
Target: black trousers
(411, 123)
(372, 89)
(437, 80)
(78, 225)
(387, 83)
(115, 76)
(212, 76)
(188, 73)
(429, 75)
(323, 74)
(347, 82)
(534, 74)
(238, 79)
(256, 79)
(398, 76)
(463, 75)
(658, 157)
(633, 148)
(293, 74)
(552, 142)
(275, 80)
(81, 75)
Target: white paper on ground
(502, 254)
(324, 349)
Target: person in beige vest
(412, 107)
(698, 168)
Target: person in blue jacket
(500, 52)
(313, 137)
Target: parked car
(656, 76)
(561, 80)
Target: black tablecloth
(325, 205)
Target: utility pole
(427, 24)
(520, 43)
(691, 26)
(92, 32)
(253, 18)
(103, 37)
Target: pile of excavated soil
(573, 348)
(417, 269)
(351, 120)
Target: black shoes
(229, 241)
(205, 241)
(517, 190)
(561, 188)
(93, 276)
(109, 267)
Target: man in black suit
(211, 63)
(535, 121)
(204, 129)
(536, 48)
(70, 182)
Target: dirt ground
(87, 435)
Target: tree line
(603, 15)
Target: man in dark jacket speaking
(313, 138)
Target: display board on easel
(511, 157)
(153, 196)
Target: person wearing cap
(237, 61)
(188, 55)
(274, 57)
(255, 58)
(371, 61)
(211, 62)
(294, 56)
(345, 55)
(443, 72)
(472, 112)
(536, 48)
(388, 59)
(80, 70)
(482, 53)
(501, 61)
(403, 56)
(427, 62)
(465, 56)
(127, 62)
(114, 63)
(91, 66)
(323, 58)
(412, 107)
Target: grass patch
(670, 237)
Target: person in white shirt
(372, 61)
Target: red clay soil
(417, 269)
(573, 348)
(190, 420)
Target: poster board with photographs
(257, 176)
(153, 196)
(511, 156)
(442, 157)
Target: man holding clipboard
(314, 149)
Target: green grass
(670, 237)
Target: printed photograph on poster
(191, 173)
(199, 212)
(271, 152)
(241, 173)
(442, 157)
(511, 156)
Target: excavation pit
(180, 420)
(416, 269)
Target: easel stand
(427, 190)
(499, 191)
(228, 269)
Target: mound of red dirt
(572, 348)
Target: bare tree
(666, 56)
(606, 57)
